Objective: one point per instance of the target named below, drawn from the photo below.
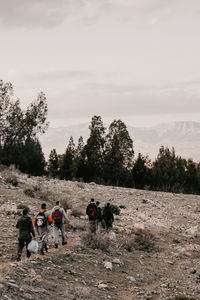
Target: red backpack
(57, 217)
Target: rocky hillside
(153, 251)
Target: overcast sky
(137, 60)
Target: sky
(134, 60)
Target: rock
(108, 265)
(117, 261)
(131, 278)
(102, 286)
(139, 226)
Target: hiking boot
(56, 245)
(64, 243)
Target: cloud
(37, 13)
(51, 13)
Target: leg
(20, 248)
(28, 254)
(93, 226)
(62, 228)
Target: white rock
(108, 265)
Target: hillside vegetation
(152, 252)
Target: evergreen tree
(67, 163)
(32, 159)
(141, 171)
(92, 155)
(53, 164)
(118, 130)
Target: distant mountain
(183, 136)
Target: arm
(65, 215)
(31, 228)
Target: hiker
(108, 216)
(91, 211)
(42, 222)
(26, 231)
(58, 216)
(99, 215)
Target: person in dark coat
(91, 211)
(108, 216)
(26, 231)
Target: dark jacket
(108, 214)
(25, 226)
(99, 213)
(91, 211)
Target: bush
(9, 177)
(77, 212)
(144, 240)
(115, 209)
(22, 206)
(29, 192)
(65, 204)
(126, 243)
(96, 241)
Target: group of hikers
(57, 216)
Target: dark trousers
(22, 243)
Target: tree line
(107, 157)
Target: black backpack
(41, 219)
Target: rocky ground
(153, 251)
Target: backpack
(41, 219)
(57, 216)
(92, 213)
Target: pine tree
(92, 154)
(67, 164)
(53, 163)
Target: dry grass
(29, 192)
(144, 240)
(96, 241)
(9, 175)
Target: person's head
(57, 203)
(108, 204)
(43, 206)
(92, 200)
(97, 203)
(25, 211)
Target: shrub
(65, 204)
(96, 241)
(126, 243)
(115, 209)
(9, 177)
(22, 206)
(144, 240)
(77, 212)
(29, 192)
(45, 195)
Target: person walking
(91, 211)
(26, 232)
(108, 216)
(99, 216)
(59, 216)
(42, 223)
